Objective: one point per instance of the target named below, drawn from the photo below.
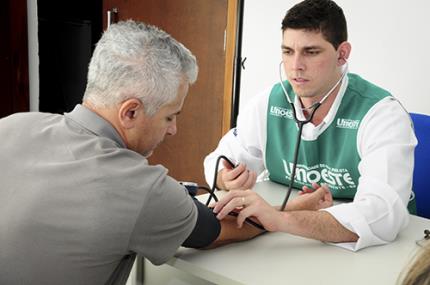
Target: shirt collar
(333, 109)
(94, 123)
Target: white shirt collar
(310, 131)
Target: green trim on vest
(332, 158)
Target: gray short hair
(135, 60)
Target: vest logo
(281, 112)
(347, 123)
(336, 178)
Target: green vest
(333, 157)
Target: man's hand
(249, 204)
(238, 178)
(313, 199)
(302, 217)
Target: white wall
(390, 42)
(33, 54)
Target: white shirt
(385, 143)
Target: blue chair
(421, 181)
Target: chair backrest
(421, 179)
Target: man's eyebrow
(313, 47)
(306, 47)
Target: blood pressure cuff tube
(206, 230)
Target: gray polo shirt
(76, 204)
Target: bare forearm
(318, 225)
(231, 233)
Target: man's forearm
(231, 233)
(319, 225)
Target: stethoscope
(300, 123)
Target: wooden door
(208, 29)
(13, 58)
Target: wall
(383, 44)
(33, 54)
(389, 41)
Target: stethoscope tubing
(300, 124)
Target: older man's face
(153, 129)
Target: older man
(79, 198)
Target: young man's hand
(315, 198)
(238, 178)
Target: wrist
(293, 205)
(282, 224)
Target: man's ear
(128, 112)
(344, 50)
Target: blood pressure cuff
(206, 230)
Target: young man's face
(310, 62)
(153, 129)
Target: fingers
(248, 211)
(233, 200)
(258, 210)
(315, 185)
(251, 205)
(245, 213)
(313, 197)
(320, 191)
(306, 189)
(249, 182)
(232, 173)
(325, 191)
(226, 164)
(239, 178)
(325, 199)
(328, 197)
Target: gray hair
(135, 60)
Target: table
(281, 258)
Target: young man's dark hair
(318, 15)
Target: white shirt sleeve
(246, 143)
(386, 143)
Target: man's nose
(298, 62)
(171, 130)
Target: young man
(360, 142)
(79, 199)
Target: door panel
(200, 26)
(13, 58)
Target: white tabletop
(281, 258)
